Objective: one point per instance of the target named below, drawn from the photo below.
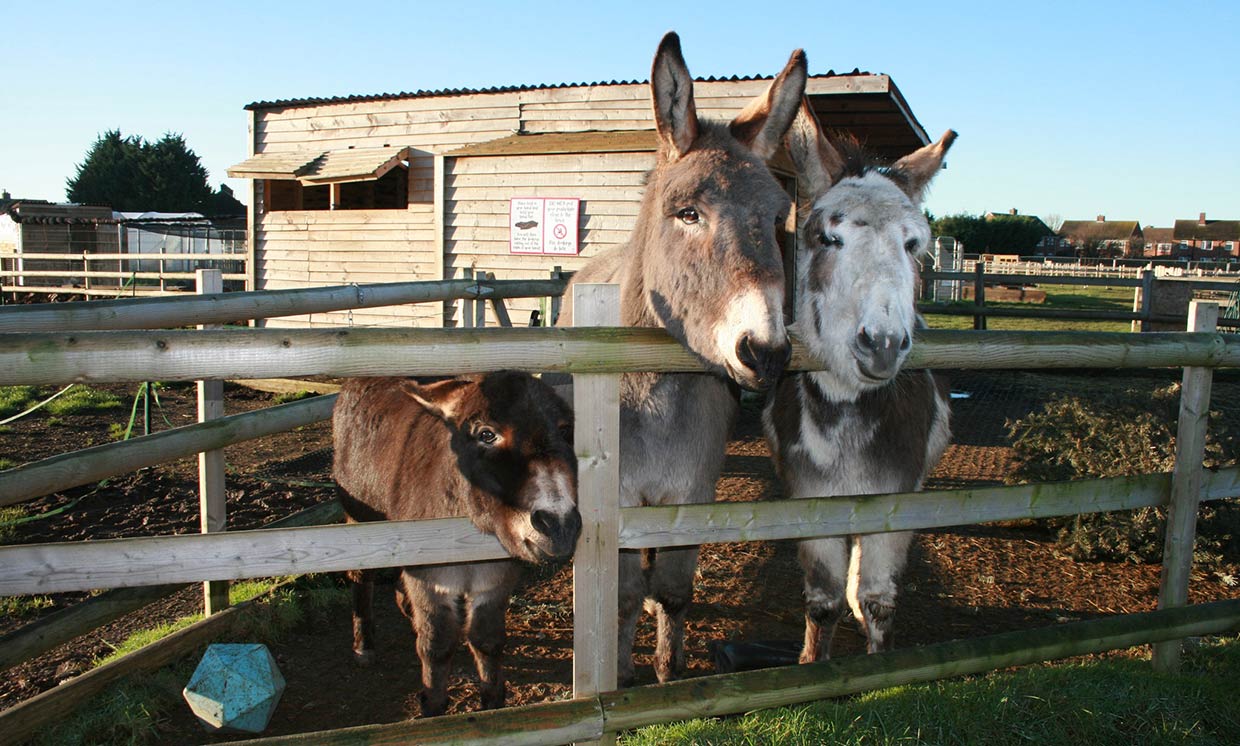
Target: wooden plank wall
(317, 248)
(476, 194)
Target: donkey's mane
(858, 161)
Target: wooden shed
(419, 186)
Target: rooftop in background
(1206, 230)
(1101, 229)
(859, 101)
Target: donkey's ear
(441, 398)
(671, 87)
(764, 121)
(818, 163)
(915, 170)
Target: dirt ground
(961, 582)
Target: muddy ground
(962, 582)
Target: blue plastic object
(235, 688)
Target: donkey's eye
(911, 246)
(688, 215)
(830, 240)
(566, 432)
(486, 435)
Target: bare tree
(1054, 221)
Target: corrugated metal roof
(291, 103)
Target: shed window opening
(388, 192)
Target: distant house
(1160, 242)
(1208, 239)
(1047, 240)
(1107, 237)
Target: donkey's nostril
(906, 343)
(865, 340)
(766, 362)
(746, 354)
(544, 521)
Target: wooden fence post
(212, 505)
(1147, 299)
(1190, 446)
(596, 566)
(979, 293)
(480, 303)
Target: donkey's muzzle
(879, 354)
(763, 362)
(560, 529)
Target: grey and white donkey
(861, 426)
(704, 264)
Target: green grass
(130, 712)
(8, 522)
(15, 399)
(19, 607)
(7, 463)
(1062, 297)
(83, 400)
(292, 396)
(1116, 702)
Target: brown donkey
(496, 448)
(703, 263)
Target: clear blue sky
(1129, 109)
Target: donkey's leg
(437, 624)
(487, 634)
(882, 561)
(632, 593)
(825, 562)
(363, 586)
(671, 587)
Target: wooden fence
(79, 273)
(599, 355)
(979, 278)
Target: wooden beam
(90, 465)
(61, 626)
(596, 563)
(1186, 479)
(171, 355)
(112, 563)
(149, 313)
(189, 558)
(212, 497)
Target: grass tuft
(292, 396)
(15, 399)
(1115, 702)
(83, 400)
(18, 607)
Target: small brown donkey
(497, 448)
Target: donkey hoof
(363, 657)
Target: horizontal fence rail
(220, 308)
(730, 694)
(89, 465)
(117, 563)
(175, 355)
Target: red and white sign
(543, 225)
